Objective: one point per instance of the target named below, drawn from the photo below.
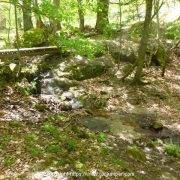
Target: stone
(67, 96)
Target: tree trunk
(156, 10)
(81, 15)
(143, 42)
(27, 19)
(102, 15)
(56, 25)
(39, 22)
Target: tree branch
(155, 13)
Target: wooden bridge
(15, 53)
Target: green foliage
(173, 150)
(101, 137)
(33, 150)
(80, 46)
(53, 148)
(33, 38)
(71, 145)
(8, 160)
(161, 55)
(31, 137)
(118, 161)
(25, 88)
(9, 71)
(173, 30)
(105, 151)
(51, 129)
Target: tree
(39, 22)
(56, 25)
(81, 15)
(27, 18)
(144, 42)
(102, 20)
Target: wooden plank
(13, 53)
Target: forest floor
(92, 127)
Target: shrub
(33, 38)
(80, 46)
(173, 150)
(172, 30)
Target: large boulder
(122, 51)
(86, 69)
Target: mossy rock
(136, 29)
(157, 126)
(90, 69)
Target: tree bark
(143, 42)
(56, 24)
(102, 15)
(27, 19)
(81, 15)
(39, 22)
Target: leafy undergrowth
(34, 138)
(57, 144)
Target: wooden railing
(15, 53)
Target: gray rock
(67, 96)
(76, 104)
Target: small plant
(71, 145)
(25, 88)
(33, 150)
(31, 137)
(105, 151)
(173, 149)
(15, 124)
(53, 148)
(50, 129)
(116, 160)
(8, 160)
(101, 137)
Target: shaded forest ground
(95, 125)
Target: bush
(80, 46)
(33, 38)
(173, 150)
(172, 30)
